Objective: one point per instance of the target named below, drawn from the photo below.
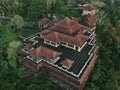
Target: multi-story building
(67, 50)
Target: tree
(50, 4)
(9, 6)
(17, 21)
(7, 34)
(107, 62)
(37, 9)
(12, 52)
(24, 7)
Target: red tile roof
(43, 21)
(52, 28)
(36, 53)
(81, 32)
(45, 32)
(54, 21)
(67, 30)
(67, 22)
(94, 41)
(66, 38)
(54, 37)
(67, 62)
(66, 26)
(28, 46)
(89, 20)
(45, 52)
(73, 18)
(81, 27)
(90, 7)
(62, 32)
(78, 40)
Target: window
(47, 41)
(76, 48)
(63, 43)
(70, 45)
(53, 43)
(38, 35)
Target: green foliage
(37, 9)
(107, 62)
(23, 7)
(42, 82)
(17, 21)
(9, 7)
(63, 11)
(40, 8)
(12, 50)
(7, 34)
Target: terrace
(81, 59)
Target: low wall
(62, 76)
(87, 72)
(65, 78)
(32, 66)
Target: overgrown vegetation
(106, 74)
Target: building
(89, 9)
(78, 3)
(43, 23)
(67, 50)
(82, 3)
(89, 21)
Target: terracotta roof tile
(28, 46)
(67, 22)
(45, 52)
(66, 38)
(81, 27)
(36, 53)
(54, 37)
(90, 7)
(89, 20)
(67, 26)
(43, 21)
(45, 32)
(81, 32)
(62, 32)
(51, 23)
(78, 40)
(73, 18)
(67, 62)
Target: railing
(34, 60)
(85, 65)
